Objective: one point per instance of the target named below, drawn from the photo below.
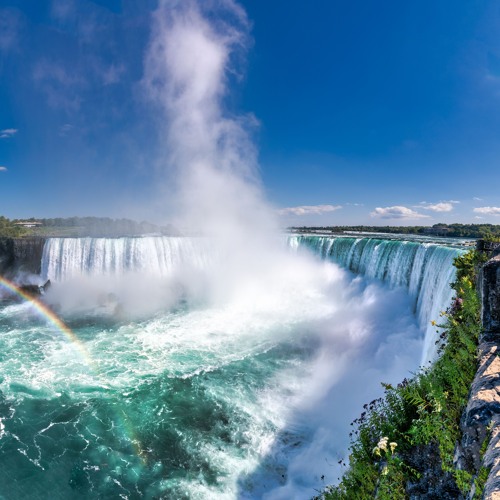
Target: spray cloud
(188, 67)
(253, 288)
(187, 71)
(260, 297)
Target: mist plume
(189, 64)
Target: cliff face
(6, 255)
(20, 254)
(480, 446)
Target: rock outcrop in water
(21, 255)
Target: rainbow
(50, 315)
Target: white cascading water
(189, 369)
(66, 258)
(425, 270)
(240, 375)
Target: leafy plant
(9, 230)
(422, 411)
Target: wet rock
(433, 483)
(490, 295)
(21, 254)
(482, 408)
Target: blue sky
(368, 112)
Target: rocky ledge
(480, 446)
(21, 255)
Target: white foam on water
(343, 335)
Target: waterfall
(289, 353)
(425, 270)
(66, 258)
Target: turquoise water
(151, 412)
(246, 396)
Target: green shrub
(423, 410)
(9, 230)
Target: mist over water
(218, 366)
(259, 387)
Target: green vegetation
(490, 232)
(98, 226)
(420, 417)
(79, 226)
(9, 230)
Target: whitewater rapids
(190, 392)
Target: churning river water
(147, 372)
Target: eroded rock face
(21, 254)
(490, 291)
(481, 419)
(433, 481)
(492, 460)
(28, 254)
(483, 406)
(6, 254)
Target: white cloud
(63, 10)
(60, 86)
(3, 169)
(113, 74)
(10, 24)
(477, 199)
(488, 210)
(397, 212)
(7, 133)
(443, 206)
(309, 210)
(65, 129)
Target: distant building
(28, 223)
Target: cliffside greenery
(403, 443)
(9, 230)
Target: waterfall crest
(66, 258)
(425, 270)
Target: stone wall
(487, 246)
(20, 255)
(480, 424)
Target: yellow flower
(393, 445)
(382, 444)
(433, 323)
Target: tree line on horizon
(483, 231)
(80, 226)
(105, 226)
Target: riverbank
(432, 435)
